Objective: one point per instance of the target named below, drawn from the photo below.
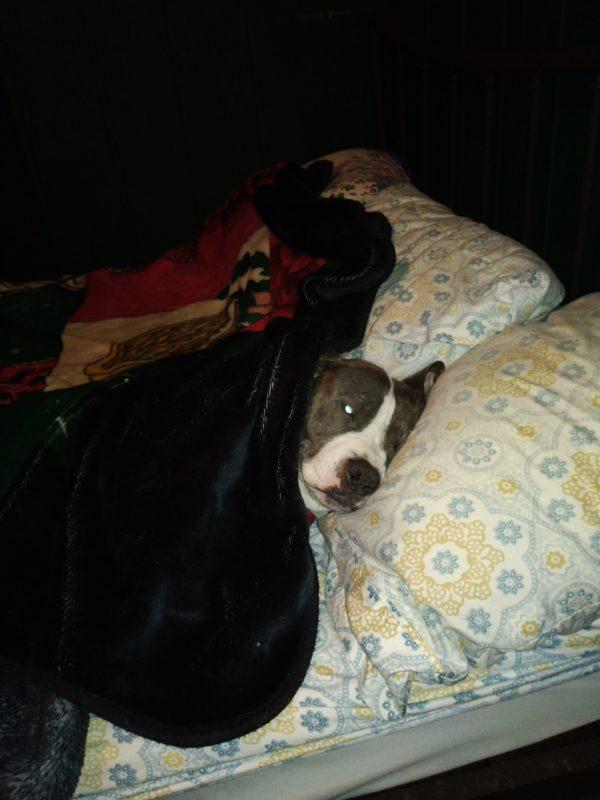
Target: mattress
(404, 756)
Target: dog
(358, 419)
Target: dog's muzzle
(358, 481)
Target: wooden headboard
(506, 137)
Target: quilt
(153, 421)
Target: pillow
(456, 282)
(485, 535)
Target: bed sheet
(411, 754)
(328, 713)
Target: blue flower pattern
(402, 294)
(314, 721)
(311, 701)
(275, 745)
(460, 507)
(462, 396)
(371, 645)
(406, 350)
(388, 551)
(560, 511)
(478, 620)
(514, 370)
(477, 451)
(508, 532)
(509, 581)
(476, 328)
(553, 467)
(573, 372)
(226, 749)
(431, 616)
(122, 775)
(413, 513)
(546, 398)
(372, 593)
(574, 600)
(445, 562)
(394, 327)
(496, 405)
(582, 435)
(122, 736)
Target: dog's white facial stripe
(322, 470)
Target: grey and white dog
(358, 418)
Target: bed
(459, 611)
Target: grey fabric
(42, 741)
(418, 751)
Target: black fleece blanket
(160, 575)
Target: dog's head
(358, 419)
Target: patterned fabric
(464, 283)
(235, 276)
(74, 332)
(485, 537)
(373, 672)
(337, 704)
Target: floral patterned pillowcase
(485, 536)
(456, 284)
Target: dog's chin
(336, 500)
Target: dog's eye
(348, 409)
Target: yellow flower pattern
(471, 583)
(100, 751)
(282, 723)
(363, 618)
(554, 559)
(173, 760)
(490, 379)
(434, 475)
(453, 425)
(585, 485)
(581, 641)
(530, 628)
(526, 431)
(507, 485)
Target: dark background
(122, 122)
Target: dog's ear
(423, 381)
(325, 361)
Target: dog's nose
(362, 477)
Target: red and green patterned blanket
(76, 331)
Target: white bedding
(415, 753)
(348, 731)
(329, 715)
